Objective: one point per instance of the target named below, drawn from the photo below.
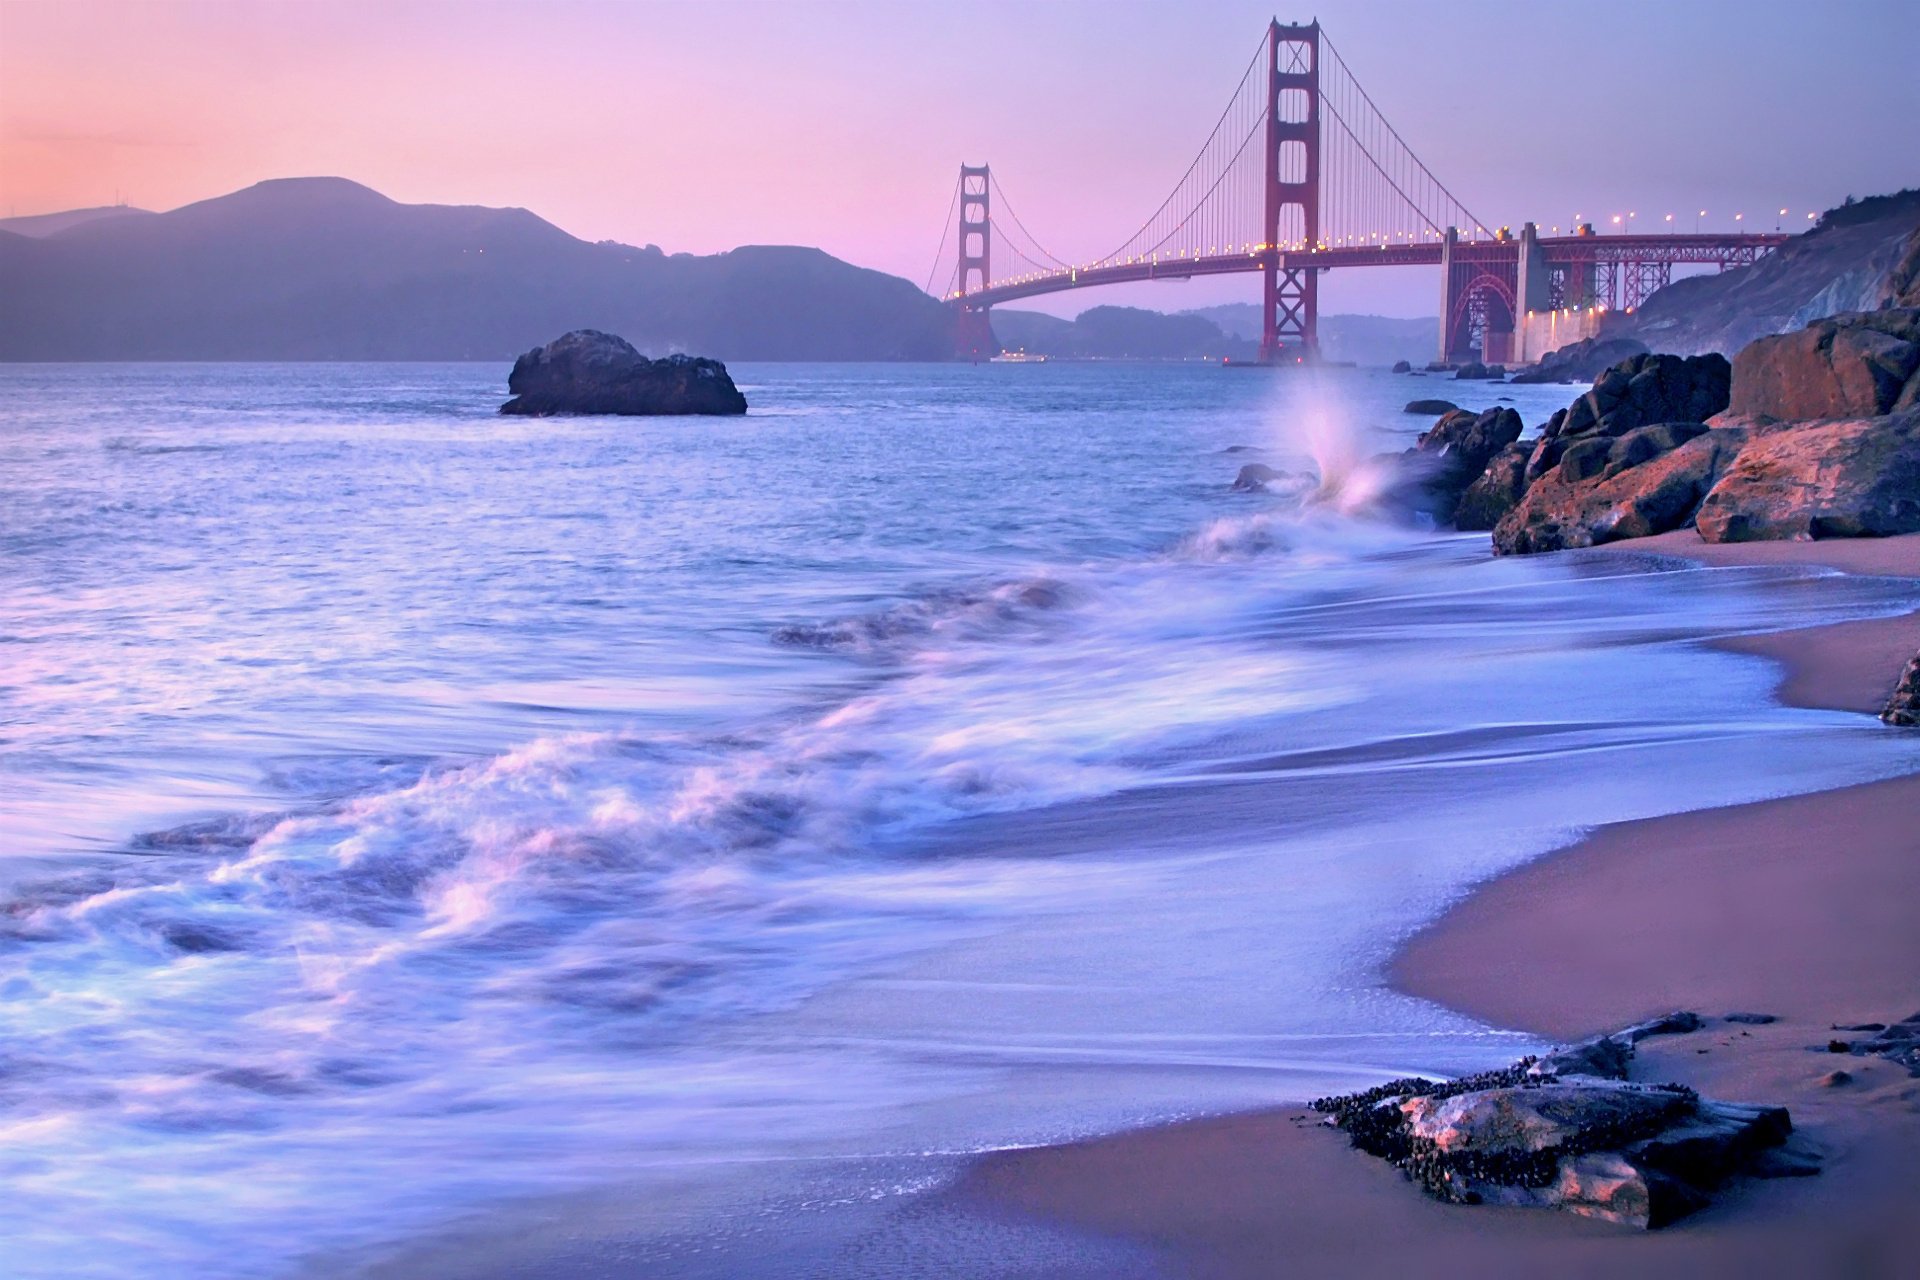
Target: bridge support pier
(1290, 295)
(973, 336)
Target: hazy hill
(1116, 333)
(326, 269)
(1843, 264)
(46, 224)
(1363, 340)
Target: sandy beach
(1807, 908)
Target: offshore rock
(1451, 454)
(1474, 371)
(589, 372)
(1847, 479)
(1582, 361)
(1647, 481)
(1861, 365)
(1497, 491)
(1253, 477)
(1903, 708)
(1401, 366)
(1431, 406)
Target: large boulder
(1634, 393)
(1646, 389)
(1647, 481)
(587, 371)
(1846, 479)
(1451, 454)
(1860, 365)
(1582, 361)
(1903, 708)
(1431, 406)
(1497, 491)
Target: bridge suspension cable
(1374, 188)
(946, 231)
(1373, 191)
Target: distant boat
(1017, 357)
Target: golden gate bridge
(1302, 174)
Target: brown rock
(1857, 365)
(1497, 491)
(1644, 483)
(1903, 708)
(1846, 479)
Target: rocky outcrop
(1402, 366)
(1846, 263)
(1431, 406)
(1496, 491)
(1566, 1132)
(1474, 371)
(1453, 453)
(1903, 708)
(1902, 287)
(1861, 365)
(589, 372)
(1646, 389)
(1582, 361)
(1648, 481)
(1849, 479)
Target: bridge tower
(974, 338)
(1290, 310)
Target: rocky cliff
(1860, 257)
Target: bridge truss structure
(1303, 174)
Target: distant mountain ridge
(328, 269)
(45, 224)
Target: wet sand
(1807, 908)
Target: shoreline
(1586, 939)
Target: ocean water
(411, 818)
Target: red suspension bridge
(1303, 174)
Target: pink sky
(703, 126)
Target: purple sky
(703, 126)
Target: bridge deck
(1670, 248)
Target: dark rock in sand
(1903, 708)
(589, 372)
(1752, 1019)
(1431, 406)
(1647, 481)
(1401, 366)
(1860, 365)
(1582, 361)
(1847, 479)
(1497, 490)
(1582, 1140)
